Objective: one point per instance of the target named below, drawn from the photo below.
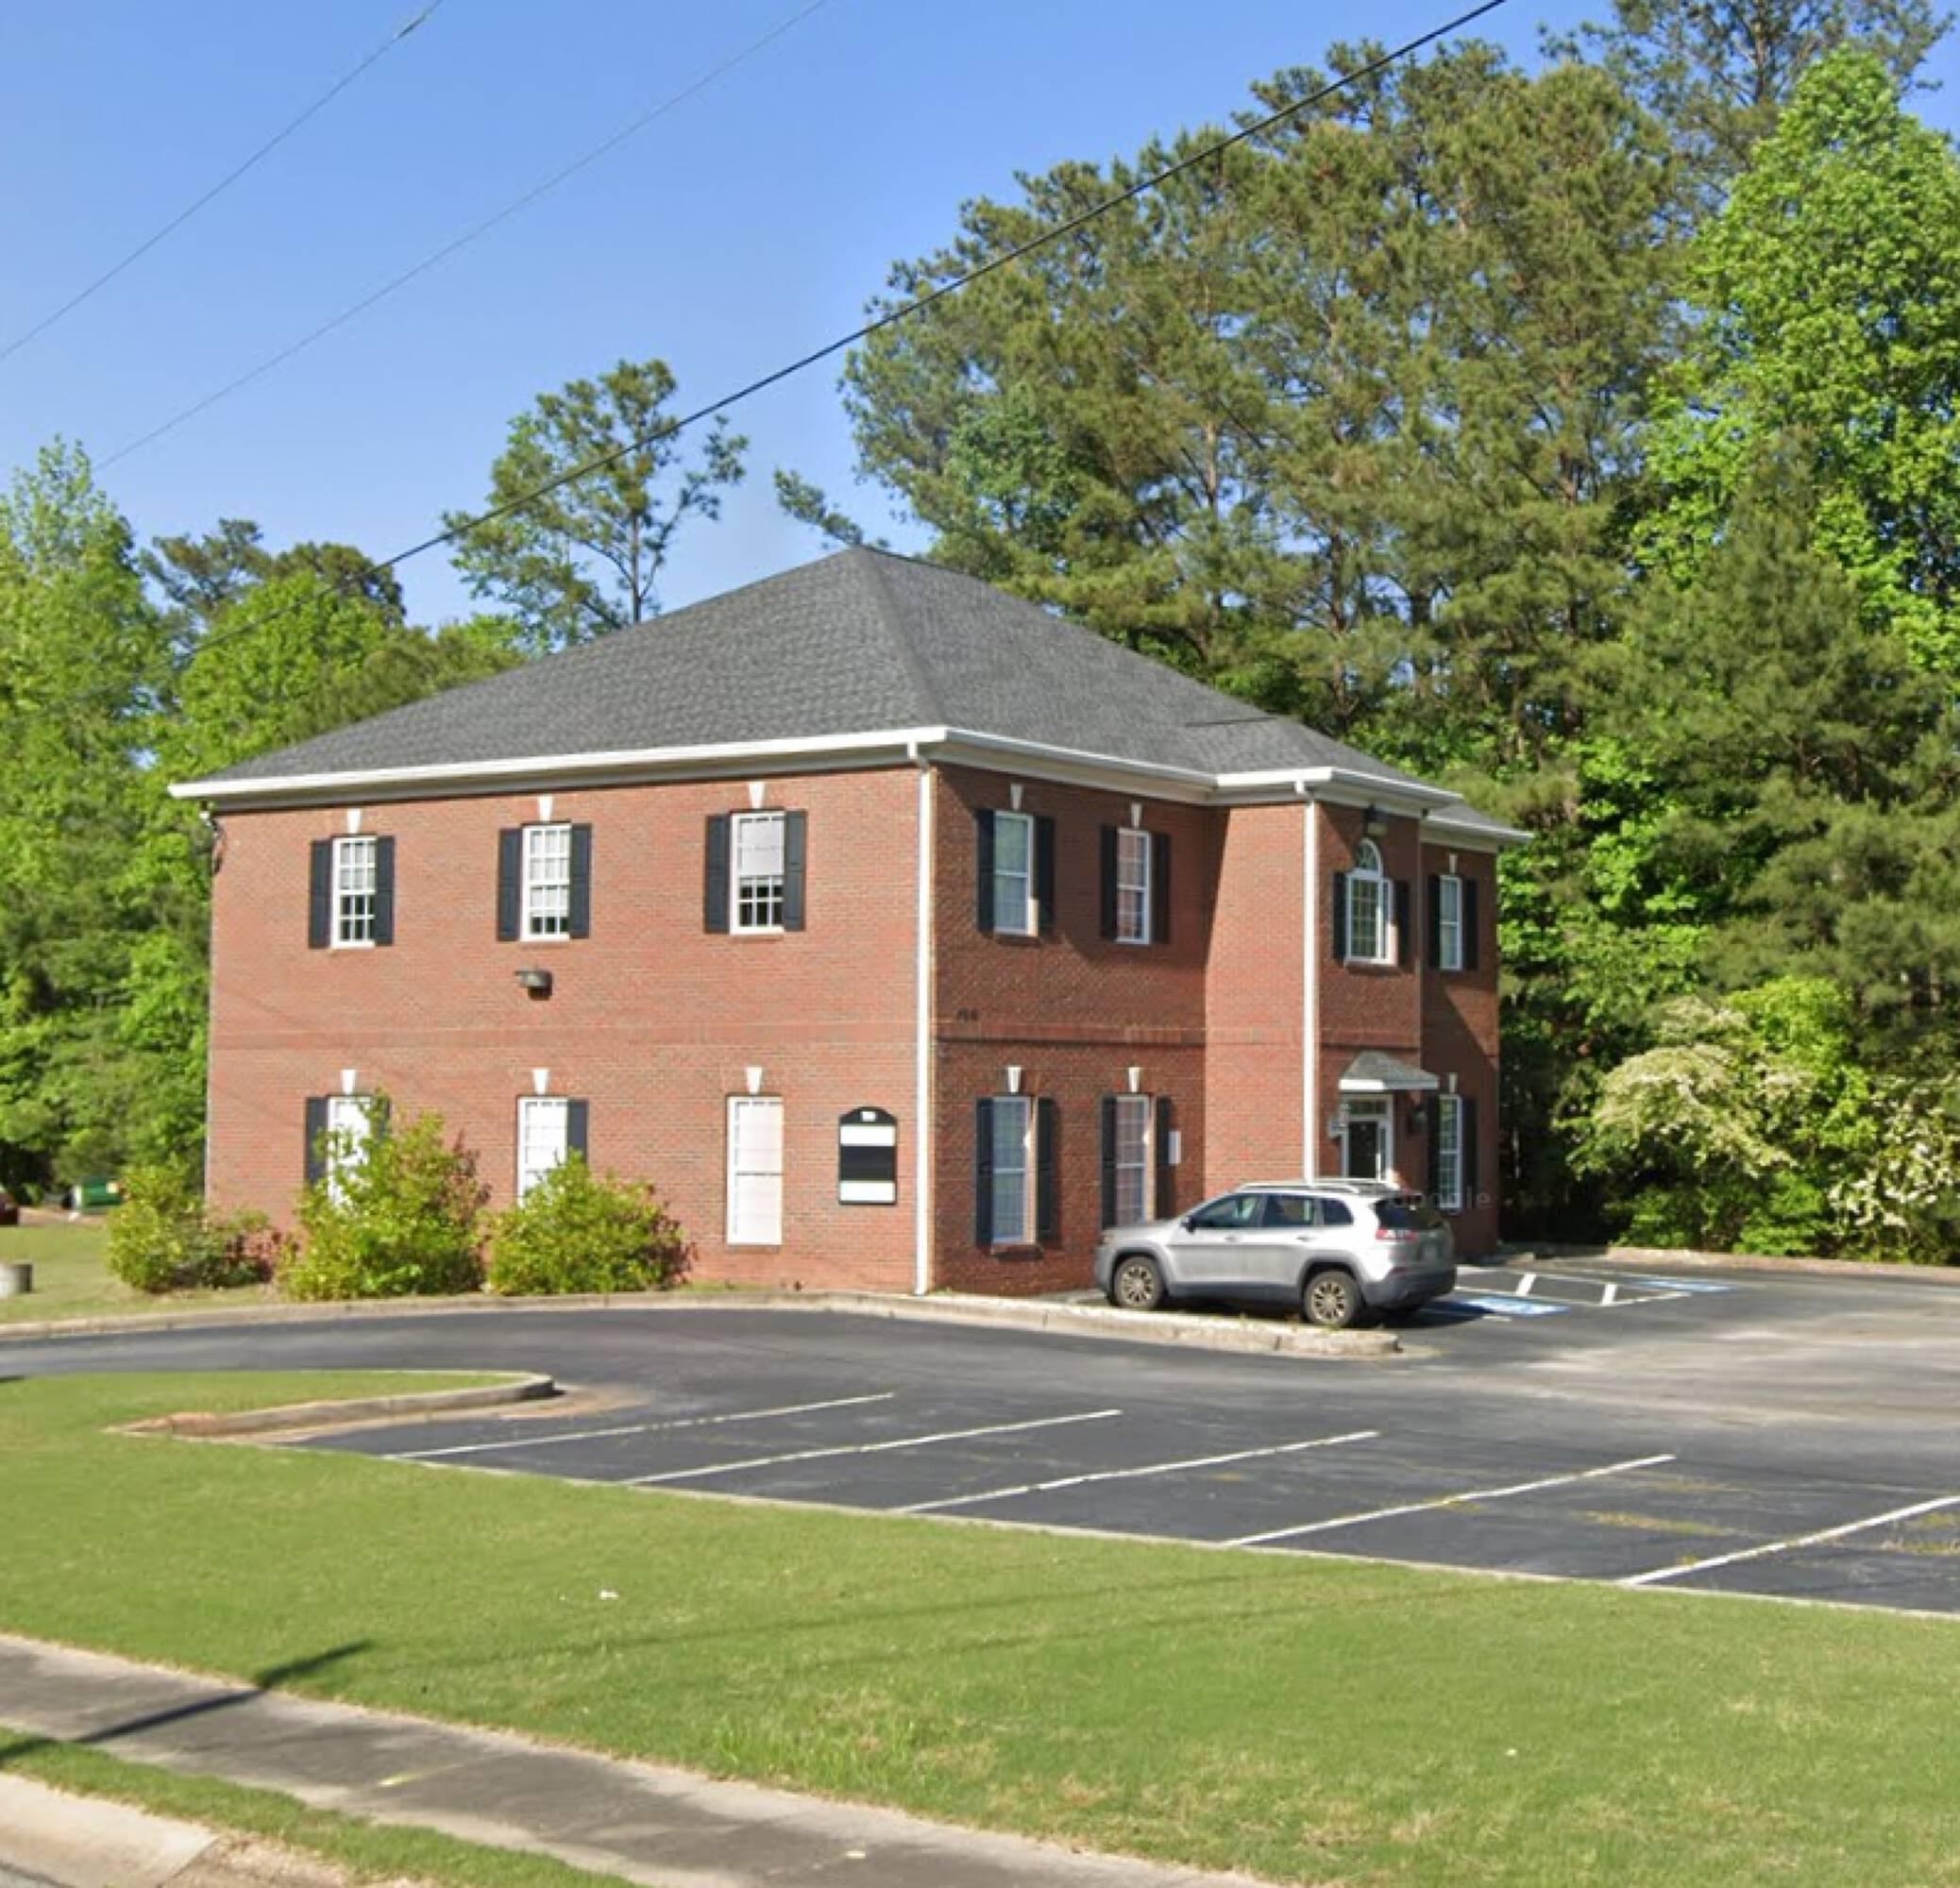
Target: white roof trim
(1288, 780)
(1489, 832)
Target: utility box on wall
(868, 1158)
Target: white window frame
(542, 925)
(349, 1135)
(1379, 1108)
(742, 1165)
(1449, 1152)
(766, 890)
(538, 1110)
(1023, 1107)
(1450, 921)
(1020, 916)
(1136, 866)
(1367, 876)
(1136, 1121)
(357, 857)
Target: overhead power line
(905, 311)
(222, 184)
(544, 187)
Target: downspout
(922, 1136)
(1310, 991)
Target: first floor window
(754, 1170)
(355, 883)
(1449, 1152)
(1014, 872)
(1368, 907)
(1131, 1157)
(547, 881)
(1132, 850)
(1449, 922)
(544, 1138)
(349, 1129)
(1013, 1169)
(758, 872)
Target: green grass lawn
(1311, 1721)
(72, 1279)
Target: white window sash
(1136, 1168)
(1134, 866)
(349, 1135)
(1449, 922)
(547, 882)
(1013, 1179)
(1449, 1152)
(356, 892)
(755, 896)
(544, 1138)
(754, 1170)
(1367, 918)
(1014, 886)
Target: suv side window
(1235, 1212)
(1334, 1212)
(1289, 1211)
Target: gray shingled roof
(852, 644)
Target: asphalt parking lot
(1783, 1434)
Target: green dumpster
(90, 1195)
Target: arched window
(1367, 906)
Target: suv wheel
(1331, 1300)
(1137, 1284)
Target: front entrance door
(1366, 1142)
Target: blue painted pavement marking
(1504, 1306)
(1682, 1284)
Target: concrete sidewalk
(664, 1828)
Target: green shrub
(403, 1219)
(577, 1231)
(162, 1239)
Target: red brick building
(901, 933)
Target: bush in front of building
(404, 1220)
(579, 1231)
(161, 1238)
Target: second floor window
(759, 875)
(1013, 873)
(356, 886)
(1449, 922)
(1368, 897)
(1133, 863)
(547, 880)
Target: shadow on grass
(271, 1679)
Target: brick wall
(653, 1020)
(1460, 1039)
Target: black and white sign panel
(868, 1158)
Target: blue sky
(745, 226)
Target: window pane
(1013, 849)
(1133, 1172)
(353, 892)
(1132, 886)
(1011, 1175)
(755, 1170)
(1010, 842)
(1366, 915)
(543, 1127)
(547, 880)
(350, 1128)
(758, 872)
(1449, 927)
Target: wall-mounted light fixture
(1375, 822)
(536, 983)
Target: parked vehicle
(1340, 1250)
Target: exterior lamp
(1374, 821)
(537, 983)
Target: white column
(1309, 991)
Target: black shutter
(983, 1165)
(713, 903)
(1432, 1127)
(381, 1116)
(1165, 1203)
(1341, 917)
(320, 903)
(384, 890)
(581, 913)
(1404, 930)
(1110, 845)
(1435, 896)
(1159, 887)
(1466, 1135)
(796, 847)
(1109, 1150)
(1044, 872)
(510, 884)
(1466, 915)
(315, 1136)
(1047, 1172)
(983, 853)
(578, 1123)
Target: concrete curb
(1661, 1258)
(1245, 1336)
(92, 1842)
(334, 1413)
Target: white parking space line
(1124, 1475)
(1449, 1501)
(1823, 1534)
(870, 1448)
(641, 1428)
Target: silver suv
(1339, 1249)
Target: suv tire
(1331, 1300)
(1137, 1284)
